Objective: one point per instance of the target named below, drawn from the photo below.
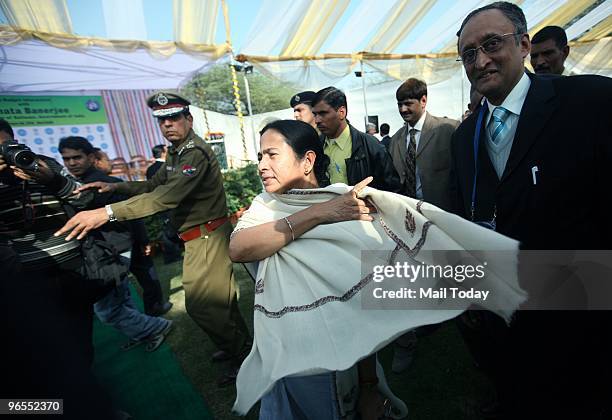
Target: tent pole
(365, 103)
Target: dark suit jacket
(151, 170)
(433, 158)
(565, 131)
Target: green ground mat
(148, 386)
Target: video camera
(18, 155)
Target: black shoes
(229, 376)
(159, 309)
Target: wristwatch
(111, 215)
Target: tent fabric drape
(195, 21)
(602, 29)
(398, 23)
(563, 15)
(10, 36)
(315, 26)
(38, 15)
(311, 43)
(591, 57)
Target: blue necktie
(497, 126)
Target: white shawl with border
(308, 309)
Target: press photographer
(47, 303)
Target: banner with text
(41, 121)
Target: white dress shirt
(417, 136)
(500, 151)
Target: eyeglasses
(490, 46)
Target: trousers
(210, 290)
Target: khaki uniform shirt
(190, 184)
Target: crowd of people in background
(513, 164)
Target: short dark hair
(332, 96)
(510, 10)
(6, 127)
(158, 150)
(301, 137)
(556, 33)
(384, 128)
(411, 89)
(76, 143)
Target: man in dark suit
(384, 132)
(421, 148)
(159, 153)
(542, 177)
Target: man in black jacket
(47, 352)
(521, 168)
(353, 155)
(116, 308)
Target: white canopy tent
(311, 43)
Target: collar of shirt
(514, 101)
(419, 125)
(343, 141)
(159, 160)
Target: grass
(441, 383)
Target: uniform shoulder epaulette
(190, 145)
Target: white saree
(308, 305)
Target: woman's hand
(347, 206)
(371, 404)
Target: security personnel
(191, 186)
(302, 107)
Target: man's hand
(42, 174)
(83, 222)
(101, 186)
(3, 164)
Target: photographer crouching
(47, 305)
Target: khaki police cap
(167, 104)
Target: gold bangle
(290, 228)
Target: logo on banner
(92, 105)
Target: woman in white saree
(314, 346)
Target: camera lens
(24, 159)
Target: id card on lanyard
(491, 224)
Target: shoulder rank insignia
(190, 145)
(189, 170)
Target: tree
(213, 91)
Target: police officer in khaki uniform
(191, 186)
